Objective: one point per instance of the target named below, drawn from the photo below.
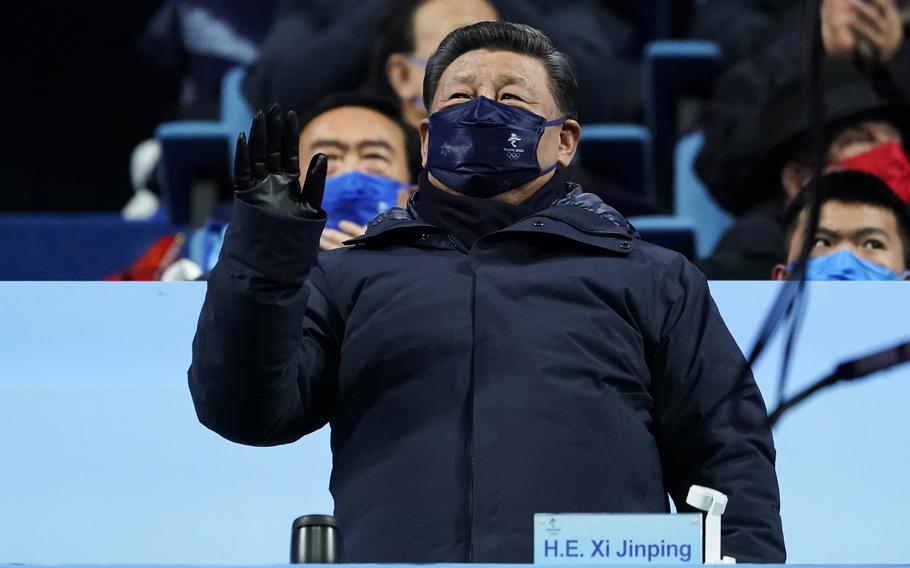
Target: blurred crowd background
(695, 123)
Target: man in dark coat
(505, 345)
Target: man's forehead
(351, 125)
(495, 66)
(845, 217)
(870, 124)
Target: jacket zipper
(469, 418)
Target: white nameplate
(617, 538)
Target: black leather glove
(267, 171)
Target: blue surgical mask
(844, 265)
(358, 197)
(483, 148)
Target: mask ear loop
(543, 128)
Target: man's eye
(332, 156)
(459, 96)
(510, 97)
(874, 244)
(376, 157)
(821, 242)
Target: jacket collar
(579, 216)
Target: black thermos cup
(315, 539)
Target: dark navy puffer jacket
(559, 365)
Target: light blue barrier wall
(102, 459)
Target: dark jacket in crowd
(317, 47)
(737, 25)
(559, 365)
(740, 122)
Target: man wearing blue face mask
(863, 231)
(504, 345)
(371, 156)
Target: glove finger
(274, 128)
(291, 161)
(258, 149)
(314, 185)
(243, 179)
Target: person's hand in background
(333, 239)
(267, 172)
(848, 25)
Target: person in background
(200, 40)
(863, 231)
(598, 39)
(373, 160)
(869, 32)
(868, 36)
(333, 44)
(864, 132)
(411, 31)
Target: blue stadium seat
(621, 151)
(90, 246)
(235, 113)
(673, 69)
(190, 149)
(667, 231)
(193, 148)
(692, 200)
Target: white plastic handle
(713, 503)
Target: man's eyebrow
(858, 233)
(464, 77)
(511, 79)
(328, 142)
(375, 142)
(869, 231)
(827, 232)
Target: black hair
(800, 149)
(848, 186)
(506, 36)
(386, 107)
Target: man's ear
(779, 272)
(793, 177)
(568, 141)
(424, 129)
(398, 73)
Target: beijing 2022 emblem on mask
(514, 152)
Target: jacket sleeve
(265, 355)
(710, 422)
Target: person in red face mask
(871, 145)
(874, 147)
(865, 132)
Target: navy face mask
(483, 148)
